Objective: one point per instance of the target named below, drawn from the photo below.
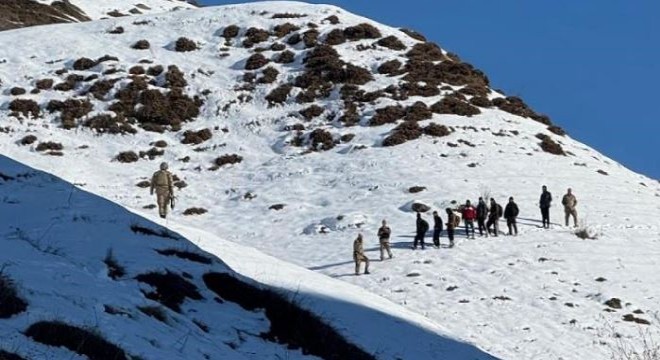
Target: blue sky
(593, 66)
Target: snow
(96, 9)
(503, 287)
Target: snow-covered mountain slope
(306, 127)
(74, 259)
(25, 13)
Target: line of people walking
(486, 216)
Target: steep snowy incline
(95, 9)
(72, 259)
(293, 127)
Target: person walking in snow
(482, 214)
(544, 204)
(494, 215)
(359, 256)
(469, 213)
(421, 229)
(453, 221)
(163, 183)
(570, 202)
(437, 229)
(384, 239)
(510, 214)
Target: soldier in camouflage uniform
(163, 183)
(359, 256)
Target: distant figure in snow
(510, 214)
(469, 213)
(482, 214)
(437, 229)
(384, 239)
(544, 204)
(421, 229)
(359, 256)
(453, 221)
(570, 202)
(494, 215)
(163, 183)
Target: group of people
(486, 215)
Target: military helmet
(163, 166)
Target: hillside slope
(304, 107)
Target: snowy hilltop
(291, 128)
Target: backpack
(425, 226)
(499, 210)
(456, 220)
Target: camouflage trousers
(571, 212)
(163, 199)
(361, 258)
(385, 246)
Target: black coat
(546, 199)
(511, 210)
(482, 210)
(437, 222)
(422, 226)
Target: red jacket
(469, 213)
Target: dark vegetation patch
(10, 303)
(230, 32)
(406, 131)
(28, 140)
(279, 94)
(426, 52)
(310, 38)
(107, 124)
(141, 45)
(171, 289)
(392, 42)
(335, 37)
(346, 138)
(418, 112)
(416, 189)
(152, 153)
(117, 30)
(49, 146)
(269, 75)
(414, 34)
(15, 91)
(155, 70)
(289, 324)
(69, 83)
(256, 61)
(276, 207)
(288, 16)
(517, 106)
(361, 31)
(391, 67)
(127, 157)
(195, 211)
(143, 184)
(44, 84)
(155, 312)
(24, 107)
(632, 318)
(186, 255)
(183, 44)
(70, 110)
(160, 143)
(277, 47)
(387, 115)
(481, 101)
(116, 13)
(254, 36)
(312, 112)
(285, 29)
(136, 70)
(143, 230)
(474, 90)
(332, 19)
(294, 39)
(174, 77)
(84, 64)
(614, 303)
(602, 172)
(76, 339)
(550, 146)
(321, 140)
(228, 159)
(115, 270)
(452, 105)
(196, 137)
(285, 57)
(419, 207)
(556, 130)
